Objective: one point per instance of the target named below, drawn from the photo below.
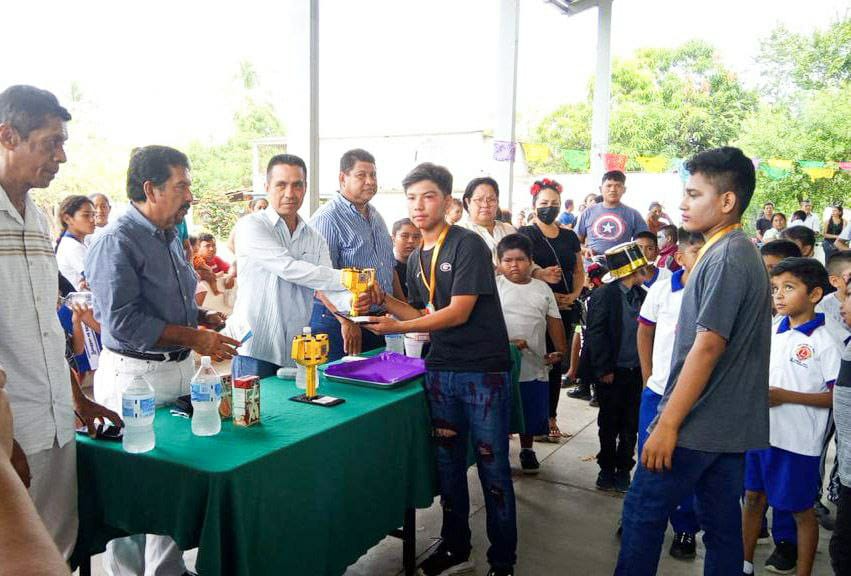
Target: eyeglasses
(485, 201)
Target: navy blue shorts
(789, 480)
(536, 406)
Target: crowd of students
(719, 361)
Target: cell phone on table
(104, 432)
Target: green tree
(664, 101)
(807, 80)
(221, 168)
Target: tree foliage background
(678, 101)
(100, 166)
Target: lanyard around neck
(715, 238)
(432, 281)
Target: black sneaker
(606, 480)
(501, 572)
(824, 518)
(529, 462)
(683, 546)
(622, 482)
(580, 392)
(784, 559)
(594, 403)
(442, 562)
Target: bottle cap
(205, 361)
(306, 331)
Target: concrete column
(303, 96)
(506, 93)
(602, 89)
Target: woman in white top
(481, 201)
(778, 224)
(77, 220)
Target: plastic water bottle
(206, 389)
(301, 371)
(138, 408)
(395, 343)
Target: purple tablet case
(386, 369)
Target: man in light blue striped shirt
(281, 262)
(357, 238)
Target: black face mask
(547, 215)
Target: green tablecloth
(307, 491)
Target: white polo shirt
(803, 359)
(32, 349)
(661, 309)
(831, 307)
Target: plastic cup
(413, 347)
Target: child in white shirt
(531, 313)
(805, 359)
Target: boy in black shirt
(452, 294)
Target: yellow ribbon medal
(431, 285)
(714, 239)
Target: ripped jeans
(473, 409)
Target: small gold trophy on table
(310, 351)
(357, 281)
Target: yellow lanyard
(714, 239)
(432, 281)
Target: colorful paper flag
(845, 166)
(776, 168)
(535, 152)
(615, 162)
(654, 164)
(816, 169)
(503, 151)
(576, 159)
(756, 162)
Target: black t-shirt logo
(446, 267)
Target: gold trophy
(357, 281)
(310, 351)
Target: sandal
(555, 435)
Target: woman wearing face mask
(554, 246)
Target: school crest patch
(803, 352)
(445, 267)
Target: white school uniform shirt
(526, 308)
(32, 350)
(661, 309)
(803, 359)
(71, 258)
(831, 307)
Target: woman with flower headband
(554, 247)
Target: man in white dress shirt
(282, 261)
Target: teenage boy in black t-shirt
(452, 294)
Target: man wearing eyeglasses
(357, 237)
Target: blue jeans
(247, 366)
(324, 322)
(716, 479)
(476, 406)
(683, 516)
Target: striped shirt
(355, 241)
(278, 272)
(32, 350)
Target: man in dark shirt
(452, 294)
(763, 223)
(406, 237)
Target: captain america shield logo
(609, 226)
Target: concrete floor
(565, 526)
